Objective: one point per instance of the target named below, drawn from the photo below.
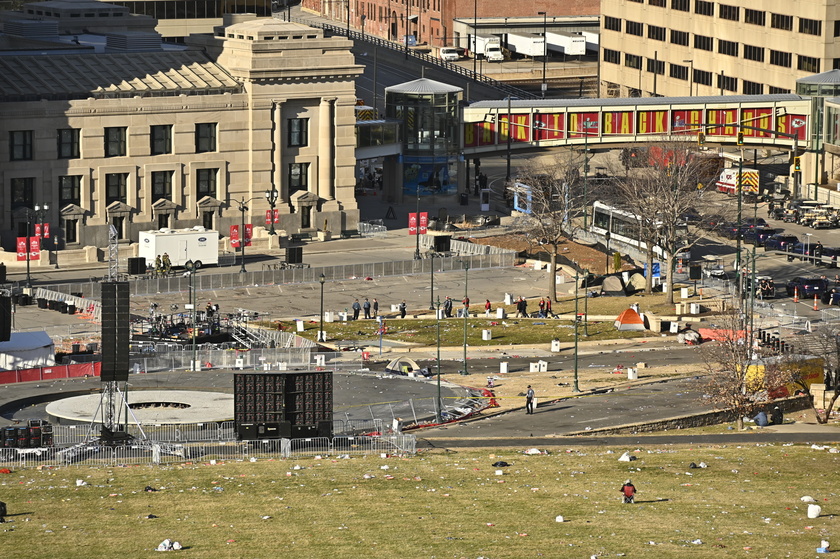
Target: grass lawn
(746, 503)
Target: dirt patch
(585, 256)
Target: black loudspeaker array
(442, 243)
(294, 255)
(5, 319)
(282, 405)
(115, 331)
(137, 266)
(695, 272)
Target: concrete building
(119, 129)
(700, 47)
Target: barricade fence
(145, 287)
(267, 359)
(84, 455)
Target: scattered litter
(533, 451)
(500, 472)
(814, 511)
(266, 517)
(252, 459)
(149, 489)
(151, 516)
(698, 541)
(626, 457)
(808, 499)
(385, 467)
(80, 482)
(169, 545)
(559, 519)
(500, 464)
(703, 465)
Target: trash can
(71, 309)
(42, 303)
(465, 199)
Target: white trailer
(489, 47)
(196, 244)
(566, 43)
(593, 40)
(526, 44)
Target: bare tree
(660, 195)
(553, 203)
(803, 371)
(732, 384)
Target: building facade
(701, 47)
(129, 134)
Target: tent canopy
(26, 350)
(629, 320)
(402, 366)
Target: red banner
(687, 122)
(234, 236)
(34, 248)
(722, 116)
(583, 125)
(38, 230)
(249, 230)
(549, 126)
(412, 223)
(268, 216)
(424, 222)
(21, 249)
(619, 123)
(46, 230)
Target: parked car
(798, 250)
(829, 257)
(780, 241)
(807, 286)
(757, 235)
(732, 232)
(754, 222)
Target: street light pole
(475, 36)
(586, 124)
(466, 312)
(586, 303)
(432, 283)
(545, 51)
(507, 164)
(576, 386)
(28, 251)
(191, 269)
(417, 226)
(321, 336)
(242, 209)
(438, 406)
(271, 196)
(40, 213)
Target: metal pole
(194, 329)
(348, 18)
(545, 52)
(466, 313)
(475, 37)
(28, 251)
(321, 336)
(740, 186)
(438, 405)
(507, 171)
(586, 124)
(576, 386)
(586, 303)
(432, 281)
(242, 209)
(417, 225)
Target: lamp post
(242, 209)
(475, 36)
(432, 283)
(364, 17)
(417, 226)
(191, 270)
(690, 77)
(438, 406)
(576, 386)
(28, 251)
(41, 213)
(321, 336)
(271, 196)
(507, 162)
(466, 312)
(545, 50)
(586, 303)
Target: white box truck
(489, 47)
(196, 244)
(593, 40)
(526, 44)
(566, 43)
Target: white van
(449, 54)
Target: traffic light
(797, 163)
(701, 139)
(740, 138)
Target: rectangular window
(727, 47)
(656, 66)
(752, 88)
(298, 177)
(679, 37)
(835, 65)
(637, 1)
(22, 192)
(658, 3)
(115, 142)
(778, 90)
(754, 17)
(732, 13)
(298, 132)
(727, 82)
(778, 58)
(160, 138)
(205, 183)
(808, 64)
(704, 8)
(754, 53)
(633, 61)
(634, 28)
(679, 72)
(703, 43)
(612, 23)
(68, 143)
(205, 137)
(837, 27)
(161, 185)
(20, 145)
(612, 56)
(810, 26)
(69, 190)
(681, 5)
(779, 21)
(116, 188)
(656, 33)
(702, 77)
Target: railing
(508, 90)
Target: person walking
(548, 313)
(529, 400)
(447, 307)
(356, 308)
(375, 307)
(366, 307)
(487, 307)
(402, 309)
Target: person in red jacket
(628, 492)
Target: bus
(623, 227)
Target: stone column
(277, 153)
(326, 149)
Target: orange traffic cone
(815, 303)
(795, 294)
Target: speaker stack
(294, 255)
(5, 319)
(283, 405)
(115, 321)
(442, 243)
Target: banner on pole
(412, 223)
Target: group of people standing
(371, 309)
(544, 305)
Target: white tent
(27, 350)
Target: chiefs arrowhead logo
(797, 123)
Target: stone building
(116, 128)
